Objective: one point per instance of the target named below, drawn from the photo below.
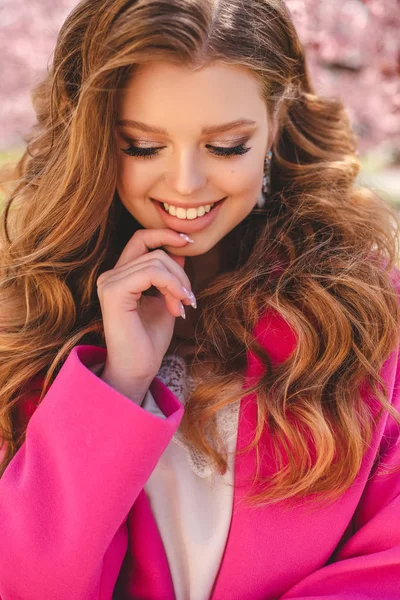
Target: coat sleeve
(88, 453)
(367, 565)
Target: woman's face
(183, 167)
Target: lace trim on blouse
(174, 374)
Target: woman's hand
(138, 328)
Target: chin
(200, 246)
(187, 250)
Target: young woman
(183, 165)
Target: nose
(185, 175)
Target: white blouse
(190, 501)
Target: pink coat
(75, 523)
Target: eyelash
(151, 152)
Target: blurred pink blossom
(352, 46)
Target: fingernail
(183, 314)
(186, 237)
(191, 297)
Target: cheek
(244, 189)
(124, 179)
(133, 181)
(126, 176)
(246, 180)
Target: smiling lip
(188, 225)
(185, 207)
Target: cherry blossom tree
(352, 46)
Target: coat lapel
(271, 548)
(145, 571)
(248, 547)
(146, 563)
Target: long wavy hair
(320, 253)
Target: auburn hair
(320, 253)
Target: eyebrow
(205, 131)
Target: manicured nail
(183, 315)
(186, 237)
(191, 297)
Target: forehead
(161, 91)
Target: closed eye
(138, 152)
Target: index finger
(144, 240)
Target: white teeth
(181, 213)
(200, 211)
(190, 213)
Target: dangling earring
(266, 184)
